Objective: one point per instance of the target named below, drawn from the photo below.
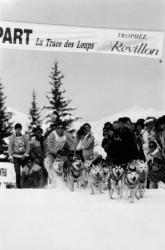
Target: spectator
(18, 150)
(79, 139)
(108, 137)
(156, 165)
(56, 141)
(37, 150)
(32, 175)
(161, 134)
(128, 149)
(87, 142)
(139, 129)
(115, 125)
(139, 126)
(148, 135)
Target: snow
(50, 219)
(19, 117)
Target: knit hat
(149, 120)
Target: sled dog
(143, 173)
(115, 181)
(96, 176)
(74, 172)
(131, 183)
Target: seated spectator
(32, 175)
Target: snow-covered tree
(6, 126)
(34, 114)
(59, 106)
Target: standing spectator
(115, 125)
(156, 165)
(139, 126)
(161, 134)
(148, 135)
(79, 146)
(139, 129)
(128, 149)
(37, 150)
(108, 141)
(18, 150)
(87, 142)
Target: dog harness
(74, 173)
(114, 178)
(95, 181)
(131, 185)
(142, 177)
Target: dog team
(134, 157)
(129, 181)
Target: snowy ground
(53, 219)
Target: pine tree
(34, 114)
(58, 104)
(6, 126)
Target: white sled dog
(86, 169)
(96, 176)
(55, 171)
(142, 169)
(131, 182)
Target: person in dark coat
(128, 149)
(32, 175)
(156, 165)
(119, 144)
(37, 150)
(139, 128)
(78, 142)
(110, 143)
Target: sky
(99, 85)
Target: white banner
(17, 35)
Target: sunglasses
(60, 127)
(148, 124)
(151, 146)
(38, 132)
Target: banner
(17, 35)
